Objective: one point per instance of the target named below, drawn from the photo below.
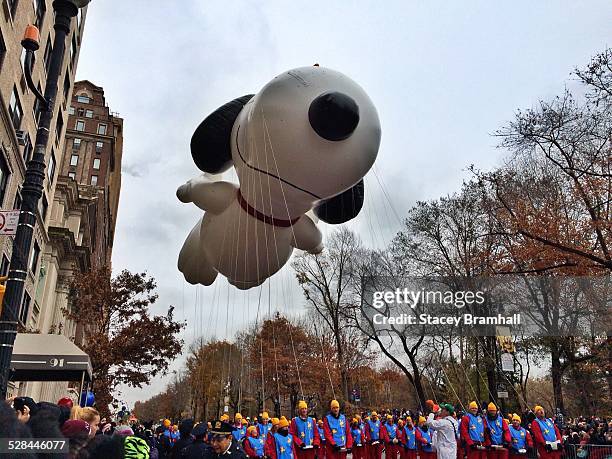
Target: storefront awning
(39, 357)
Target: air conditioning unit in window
(22, 137)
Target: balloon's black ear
(343, 207)
(211, 142)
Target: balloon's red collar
(263, 217)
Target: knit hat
(334, 404)
(75, 427)
(265, 415)
(408, 419)
(422, 420)
(516, 417)
(302, 404)
(538, 408)
(400, 423)
(447, 406)
(491, 407)
(237, 417)
(224, 417)
(283, 423)
(124, 431)
(275, 421)
(374, 413)
(167, 423)
(251, 430)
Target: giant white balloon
(305, 141)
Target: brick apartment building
(77, 213)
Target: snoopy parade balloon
(303, 143)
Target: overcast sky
(443, 76)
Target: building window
(88, 113)
(72, 175)
(2, 48)
(102, 129)
(76, 143)
(94, 180)
(4, 176)
(51, 168)
(96, 164)
(66, 85)
(99, 146)
(38, 106)
(48, 50)
(74, 160)
(17, 203)
(73, 49)
(25, 308)
(15, 111)
(28, 149)
(71, 110)
(83, 99)
(4, 267)
(40, 8)
(80, 125)
(12, 4)
(34, 256)
(59, 127)
(43, 206)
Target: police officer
(223, 444)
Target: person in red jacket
(472, 433)
(253, 444)
(521, 439)
(359, 446)
(424, 437)
(372, 433)
(305, 433)
(388, 433)
(322, 449)
(546, 436)
(408, 440)
(283, 446)
(338, 438)
(497, 434)
(269, 440)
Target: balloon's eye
(333, 116)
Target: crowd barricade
(572, 451)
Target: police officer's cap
(221, 428)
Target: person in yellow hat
(282, 444)
(322, 450)
(239, 432)
(546, 435)
(407, 437)
(253, 444)
(305, 433)
(521, 439)
(498, 435)
(264, 425)
(269, 440)
(338, 436)
(423, 437)
(372, 434)
(388, 433)
(472, 433)
(359, 449)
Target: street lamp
(32, 189)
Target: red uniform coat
(540, 443)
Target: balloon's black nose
(333, 115)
